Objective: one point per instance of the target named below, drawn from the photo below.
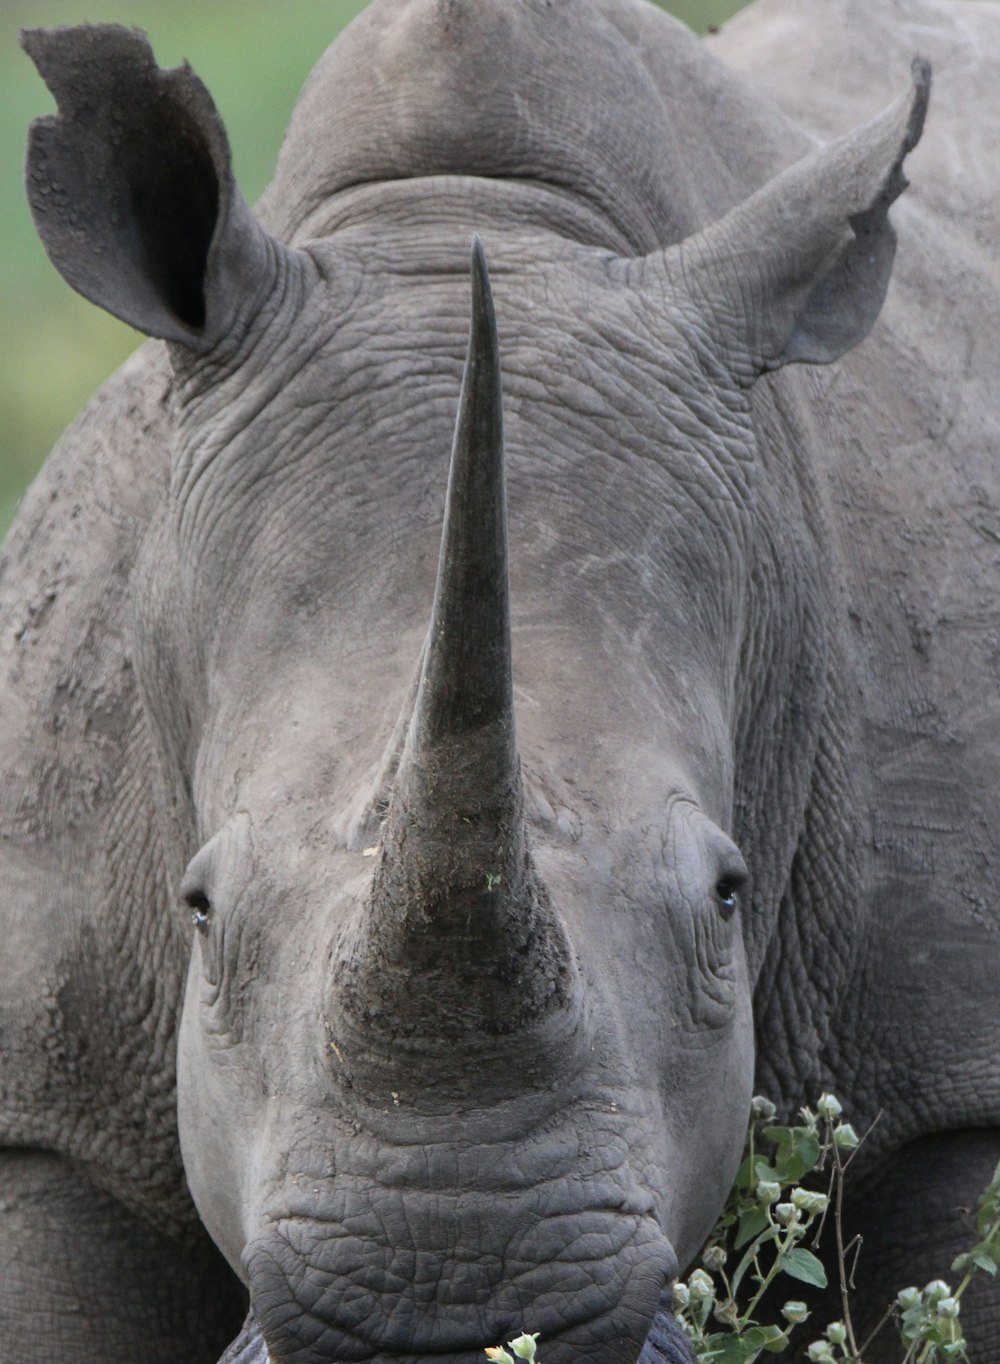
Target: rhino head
(466, 1043)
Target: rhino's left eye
(727, 892)
(201, 910)
(728, 888)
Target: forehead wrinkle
(319, 517)
(366, 428)
(661, 467)
(368, 416)
(209, 426)
(381, 324)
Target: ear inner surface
(131, 186)
(799, 271)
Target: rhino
(506, 672)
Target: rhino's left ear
(132, 191)
(799, 271)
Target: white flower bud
(786, 1213)
(936, 1290)
(681, 1295)
(836, 1333)
(762, 1108)
(768, 1191)
(948, 1307)
(700, 1286)
(819, 1352)
(809, 1201)
(713, 1257)
(844, 1137)
(908, 1297)
(829, 1107)
(795, 1312)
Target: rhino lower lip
(666, 1342)
(321, 1294)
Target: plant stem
(838, 1227)
(991, 1231)
(887, 1316)
(768, 1278)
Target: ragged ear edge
(798, 272)
(132, 191)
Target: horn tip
(480, 273)
(483, 315)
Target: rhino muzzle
(464, 1246)
(458, 935)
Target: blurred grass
(55, 348)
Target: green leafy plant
(769, 1228)
(768, 1231)
(761, 1234)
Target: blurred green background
(55, 349)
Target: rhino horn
(466, 687)
(455, 899)
(457, 792)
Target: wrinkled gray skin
(496, 1073)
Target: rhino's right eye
(727, 893)
(733, 876)
(201, 910)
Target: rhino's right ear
(798, 272)
(132, 191)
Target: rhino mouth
(587, 1282)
